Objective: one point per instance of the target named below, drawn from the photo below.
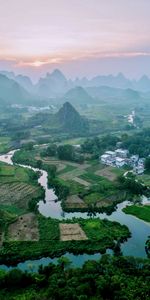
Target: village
(120, 158)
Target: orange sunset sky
(81, 37)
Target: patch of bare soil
(72, 232)
(106, 172)
(24, 229)
(104, 203)
(75, 201)
(81, 181)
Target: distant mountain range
(22, 80)
(56, 87)
(11, 92)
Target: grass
(75, 187)
(15, 173)
(12, 209)
(74, 141)
(4, 144)
(6, 218)
(6, 170)
(92, 198)
(95, 166)
(18, 186)
(67, 168)
(48, 229)
(101, 236)
(141, 212)
(101, 230)
(90, 177)
(118, 171)
(145, 178)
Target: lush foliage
(124, 278)
(139, 143)
(101, 234)
(97, 146)
(140, 211)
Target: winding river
(50, 207)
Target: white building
(121, 153)
(104, 158)
(139, 170)
(120, 162)
(134, 158)
(111, 153)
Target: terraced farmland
(17, 194)
(18, 186)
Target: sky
(79, 37)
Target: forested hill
(67, 119)
(70, 119)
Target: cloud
(39, 62)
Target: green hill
(70, 120)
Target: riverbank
(140, 211)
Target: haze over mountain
(78, 95)
(24, 81)
(56, 87)
(11, 92)
(52, 85)
(105, 93)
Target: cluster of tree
(112, 278)
(139, 143)
(26, 157)
(132, 185)
(61, 189)
(97, 146)
(51, 150)
(63, 152)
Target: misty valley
(74, 187)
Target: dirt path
(81, 181)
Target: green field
(101, 235)
(18, 187)
(91, 177)
(4, 144)
(141, 212)
(145, 178)
(67, 168)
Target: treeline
(139, 143)
(124, 278)
(132, 185)
(63, 152)
(98, 145)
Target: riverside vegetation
(125, 278)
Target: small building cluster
(120, 158)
